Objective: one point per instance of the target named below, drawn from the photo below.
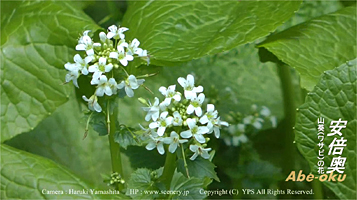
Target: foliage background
(235, 50)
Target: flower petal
(124, 62)
(200, 138)
(81, 47)
(151, 145)
(110, 35)
(160, 148)
(190, 109)
(113, 55)
(129, 92)
(153, 125)
(121, 85)
(191, 123)
(186, 134)
(173, 147)
(198, 111)
(182, 82)
(202, 130)
(190, 80)
(161, 131)
(108, 67)
(204, 119)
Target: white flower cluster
(177, 120)
(256, 121)
(100, 59)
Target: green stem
(184, 160)
(169, 169)
(114, 146)
(287, 136)
(317, 186)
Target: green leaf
(199, 168)
(99, 123)
(125, 137)
(27, 176)
(317, 45)
(148, 159)
(190, 188)
(182, 31)
(311, 9)
(60, 138)
(37, 39)
(144, 183)
(333, 98)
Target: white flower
(217, 123)
(143, 53)
(116, 33)
(121, 44)
(239, 139)
(82, 63)
(133, 47)
(156, 143)
(195, 130)
(174, 141)
(85, 43)
(73, 73)
(198, 150)
(274, 121)
(170, 93)
(255, 121)
(122, 56)
(189, 86)
(105, 40)
(195, 104)
(93, 103)
(106, 86)
(236, 140)
(241, 128)
(265, 111)
(153, 110)
(162, 123)
(98, 68)
(81, 40)
(209, 115)
(177, 121)
(130, 83)
(254, 107)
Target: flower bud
(143, 101)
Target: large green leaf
(334, 97)
(37, 39)
(191, 188)
(184, 30)
(311, 9)
(317, 45)
(199, 168)
(27, 176)
(60, 138)
(143, 184)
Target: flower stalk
(169, 169)
(115, 153)
(289, 148)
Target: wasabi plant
(248, 125)
(181, 121)
(103, 60)
(230, 99)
